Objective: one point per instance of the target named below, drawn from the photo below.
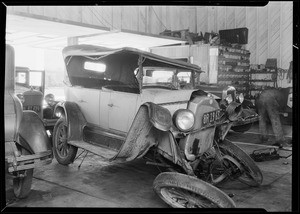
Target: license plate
(210, 118)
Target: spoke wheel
(186, 199)
(64, 152)
(248, 173)
(183, 191)
(221, 171)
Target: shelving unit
(260, 79)
(233, 68)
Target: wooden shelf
(225, 66)
(243, 66)
(251, 80)
(234, 70)
(234, 50)
(262, 72)
(272, 73)
(235, 73)
(221, 58)
(237, 54)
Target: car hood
(166, 97)
(216, 90)
(169, 99)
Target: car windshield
(167, 78)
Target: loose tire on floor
(180, 191)
(22, 185)
(252, 175)
(64, 152)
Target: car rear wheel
(64, 152)
(183, 191)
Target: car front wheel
(64, 152)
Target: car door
(88, 101)
(122, 110)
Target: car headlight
(58, 112)
(240, 97)
(209, 95)
(229, 98)
(229, 90)
(184, 119)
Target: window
(35, 79)
(160, 77)
(184, 77)
(95, 66)
(163, 76)
(21, 78)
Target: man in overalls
(270, 104)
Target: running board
(95, 149)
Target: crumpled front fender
(141, 135)
(248, 116)
(159, 116)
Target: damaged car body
(226, 94)
(26, 142)
(123, 104)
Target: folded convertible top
(92, 50)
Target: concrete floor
(99, 184)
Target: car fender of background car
(26, 142)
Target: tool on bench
(261, 155)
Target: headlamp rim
(175, 121)
(229, 95)
(243, 97)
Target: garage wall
(270, 27)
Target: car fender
(32, 133)
(247, 104)
(160, 117)
(74, 117)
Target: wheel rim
(186, 199)
(62, 147)
(246, 174)
(220, 171)
(18, 184)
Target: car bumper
(24, 162)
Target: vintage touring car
(123, 104)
